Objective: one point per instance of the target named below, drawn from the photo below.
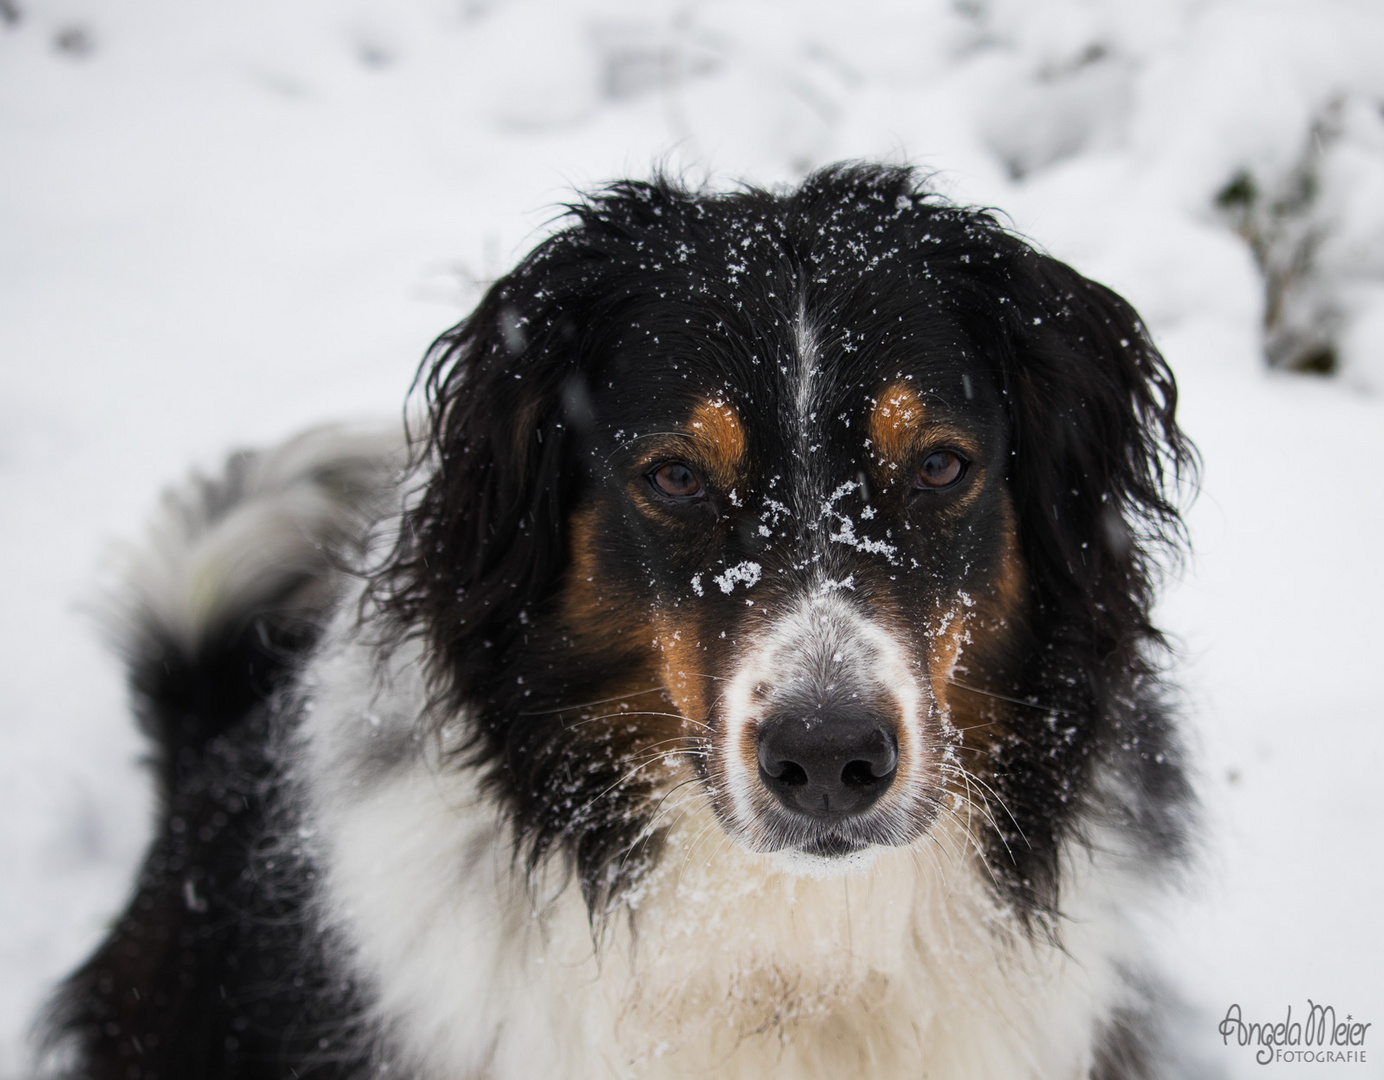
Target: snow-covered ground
(221, 222)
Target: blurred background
(222, 222)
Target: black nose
(828, 765)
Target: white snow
(747, 573)
(223, 222)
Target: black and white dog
(748, 673)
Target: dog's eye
(940, 469)
(676, 481)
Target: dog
(745, 670)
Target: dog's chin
(827, 857)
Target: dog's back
(210, 971)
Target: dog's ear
(484, 540)
(1096, 451)
(502, 458)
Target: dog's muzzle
(825, 745)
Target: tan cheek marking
(720, 437)
(591, 607)
(683, 661)
(894, 424)
(597, 614)
(945, 651)
(637, 701)
(984, 629)
(983, 633)
(1011, 587)
(582, 601)
(1000, 605)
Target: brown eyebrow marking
(902, 429)
(895, 422)
(719, 437)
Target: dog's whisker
(976, 801)
(967, 841)
(962, 729)
(705, 675)
(1056, 711)
(971, 777)
(624, 779)
(588, 704)
(933, 850)
(665, 806)
(649, 753)
(661, 809)
(629, 714)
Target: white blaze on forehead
(804, 372)
(804, 416)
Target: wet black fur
(1095, 459)
(213, 971)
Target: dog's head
(836, 505)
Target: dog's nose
(829, 765)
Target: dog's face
(830, 507)
(811, 549)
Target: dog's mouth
(832, 846)
(830, 855)
(842, 837)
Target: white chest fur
(722, 962)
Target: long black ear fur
(507, 404)
(1096, 460)
(1096, 451)
(484, 541)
